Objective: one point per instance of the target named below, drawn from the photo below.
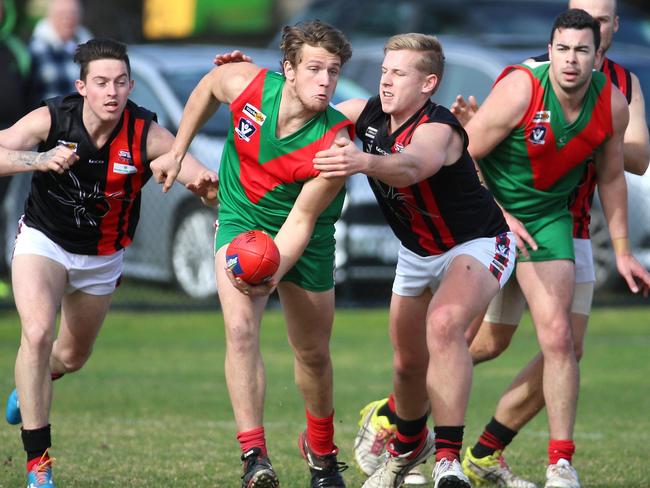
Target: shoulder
(233, 78)
(352, 108)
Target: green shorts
(554, 237)
(314, 270)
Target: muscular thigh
(309, 315)
(548, 288)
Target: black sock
(385, 411)
(449, 440)
(36, 441)
(495, 437)
(409, 433)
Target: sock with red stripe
(495, 437)
(449, 440)
(320, 434)
(252, 438)
(35, 443)
(388, 410)
(560, 449)
(410, 434)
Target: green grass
(151, 407)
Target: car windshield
(183, 82)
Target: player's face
(572, 56)
(106, 88)
(403, 88)
(314, 79)
(603, 11)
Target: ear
(131, 85)
(599, 57)
(289, 72)
(430, 83)
(615, 25)
(80, 85)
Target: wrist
(621, 245)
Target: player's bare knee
(315, 358)
(443, 330)
(74, 360)
(405, 369)
(556, 342)
(38, 340)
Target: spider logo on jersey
(89, 206)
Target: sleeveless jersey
(94, 207)
(260, 175)
(538, 166)
(581, 200)
(435, 214)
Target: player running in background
(97, 150)
(519, 405)
(267, 182)
(455, 251)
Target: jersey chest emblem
(245, 129)
(538, 135)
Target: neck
(571, 102)
(98, 130)
(292, 114)
(398, 119)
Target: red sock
(37, 460)
(320, 434)
(252, 438)
(560, 449)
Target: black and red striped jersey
(581, 200)
(442, 211)
(94, 207)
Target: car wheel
(193, 251)
(604, 262)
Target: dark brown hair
(316, 34)
(100, 49)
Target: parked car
(174, 239)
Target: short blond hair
(432, 59)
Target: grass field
(151, 407)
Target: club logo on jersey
(125, 156)
(538, 135)
(124, 169)
(255, 113)
(245, 129)
(371, 132)
(68, 144)
(398, 147)
(542, 116)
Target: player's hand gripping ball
(253, 257)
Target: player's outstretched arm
(636, 144)
(221, 85)
(16, 142)
(432, 146)
(194, 175)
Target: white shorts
(509, 304)
(95, 275)
(416, 273)
(585, 272)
